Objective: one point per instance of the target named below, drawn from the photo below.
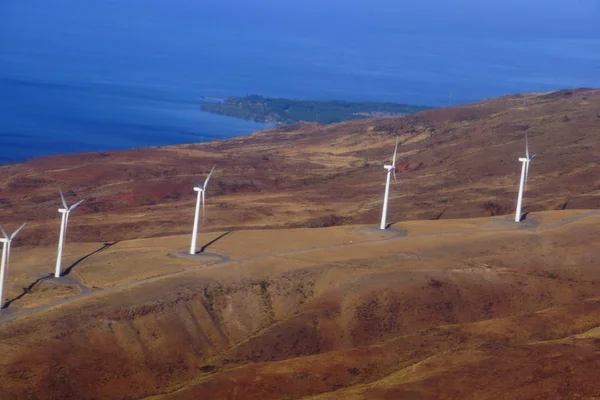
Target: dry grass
(380, 317)
(460, 307)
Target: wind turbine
(65, 211)
(524, 176)
(390, 169)
(200, 201)
(6, 241)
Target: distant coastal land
(288, 111)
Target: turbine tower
(200, 201)
(65, 211)
(524, 175)
(390, 169)
(6, 241)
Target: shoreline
(198, 138)
(286, 111)
(229, 127)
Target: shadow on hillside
(524, 216)
(440, 215)
(76, 263)
(27, 290)
(203, 248)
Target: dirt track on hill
(224, 260)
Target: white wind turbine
(524, 176)
(65, 211)
(390, 169)
(6, 241)
(200, 201)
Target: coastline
(285, 111)
(55, 119)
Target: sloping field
(296, 294)
(459, 162)
(477, 310)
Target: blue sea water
(113, 74)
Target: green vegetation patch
(289, 111)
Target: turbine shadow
(439, 216)
(76, 263)
(212, 242)
(27, 290)
(66, 272)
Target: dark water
(108, 74)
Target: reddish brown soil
(456, 162)
(477, 314)
(458, 309)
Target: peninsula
(289, 111)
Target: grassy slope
(455, 162)
(424, 317)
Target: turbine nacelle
(389, 167)
(7, 238)
(198, 189)
(522, 159)
(66, 207)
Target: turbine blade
(62, 198)
(208, 177)
(15, 233)
(66, 224)
(8, 254)
(395, 152)
(4, 233)
(203, 208)
(526, 146)
(74, 206)
(526, 176)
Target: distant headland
(289, 111)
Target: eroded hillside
(409, 314)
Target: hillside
(464, 309)
(289, 111)
(454, 163)
(296, 294)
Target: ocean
(116, 74)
